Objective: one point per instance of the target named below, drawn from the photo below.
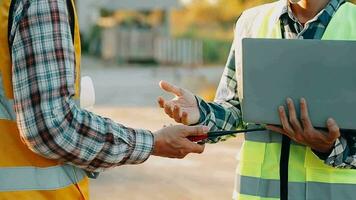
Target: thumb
(170, 88)
(195, 130)
(334, 130)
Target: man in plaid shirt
(336, 149)
(48, 118)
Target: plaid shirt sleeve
(50, 122)
(225, 112)
(343, 154)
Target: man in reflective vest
(48, 143)
(316, 157)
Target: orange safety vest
(24, 174)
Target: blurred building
(133, 40)
(89, 10)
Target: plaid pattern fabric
(225, 112)
(344, 153)
(43, 78)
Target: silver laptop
(323, 72)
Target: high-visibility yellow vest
(309, 177)
(24, 174)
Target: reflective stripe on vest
(309, 177)
(6, 105)
(269, 188)
(34, 178)
(24, 174)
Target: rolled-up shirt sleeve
(343, 155)
(50, 122)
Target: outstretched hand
(183, 108)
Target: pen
(214, 134)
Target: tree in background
(210, 18)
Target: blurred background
(128, 47)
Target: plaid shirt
(225, 112)
(43, 78)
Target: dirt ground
(127, 95)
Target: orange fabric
(11, 144)
(5, 61)
(77, 47)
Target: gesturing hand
(304, 132)
(172, 141)
(183, 108)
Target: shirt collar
(329, 10)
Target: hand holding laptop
(302, 131)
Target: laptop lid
(323, 72)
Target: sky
(188, 1)
(185, 1)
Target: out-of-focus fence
(178, 51)
(129, 45)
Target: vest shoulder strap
(343, 24)
(264, 17)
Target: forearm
(50, 122)
(82, 138)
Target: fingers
(197, 148)
(293, 116)
(167, 106)
(168, 110)
(170, 88)
(185, 118)
(285, 122)
(161, 102)
(334, 130)
(195, 130)
(304, 114)
(176, 114)
(275, 129)
(191, 148)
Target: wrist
(156, 143)
(201, 114)
(330, 148)
(322, 155)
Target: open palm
(183, 108)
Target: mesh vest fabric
(309, 177)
